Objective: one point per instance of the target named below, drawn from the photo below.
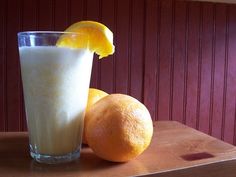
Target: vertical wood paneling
(192, 64)
(77, 10)
(93, 12)
(3, 117)
(225, 73)
(12, 66)
(186, 64)
(107, 16)
(179, 60)
(122, 47)
(206, 58)
(230, 114)
(177, 57)
(45, 12)
(61, 17)
(151, 64)
(220, 33)
(136, 49)
(199, 80)
(29, 15)
(165, 60)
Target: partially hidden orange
(119, 129)
(93, 96)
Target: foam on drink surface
(55, 83)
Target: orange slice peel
(94, 36)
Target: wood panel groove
(199, 66)
(20, 107)
(21, 121)
(68, 16)
(212, 69)
(136, 49)
(179, 59)
(230, 117)
(144, 51)
(37, 14)
(12, 65)
(150, 57)
(186, 66)
(157, 72)
(172, 68)
(53, 14)
(129, 46)
(93, 12)
(225, 73)
(219, 70)
(107, 17)
(6, 56)
(21, 7)
(84, 15)
(99, 61)
(234, 133)
(206, 67)
(165, 60)
(3, 89)
(114, 55)
(3, 65)
(77, 11)
(192, 64)
(122, 46)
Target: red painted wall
(178, 58)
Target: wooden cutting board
(176, 151)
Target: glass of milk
(55, 84)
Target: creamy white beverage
(55, 83)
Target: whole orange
(120, 128)
(93, 96)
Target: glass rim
(26, 33)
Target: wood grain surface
(176, 150)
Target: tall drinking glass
(55, 84)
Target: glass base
(48, 159)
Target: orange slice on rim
(98, 38)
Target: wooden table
(176, 151)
